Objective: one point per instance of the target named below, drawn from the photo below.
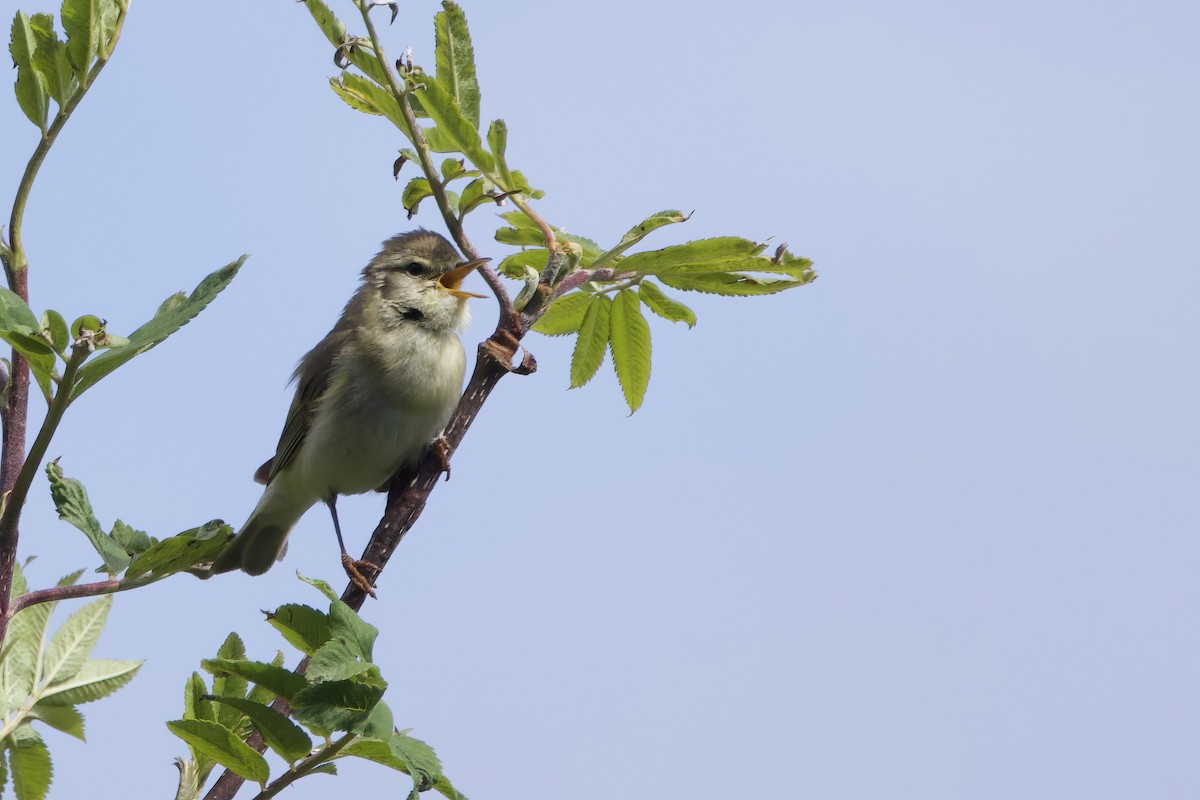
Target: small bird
(370, 397)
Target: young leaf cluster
(50, 69)
(448, 98)
(340, 693)
(605, 314)
(43, 679)
(143, 558)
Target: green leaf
(639, 232)
(304, 627)
(474, 195)
(96, 679)
(32, 95)
(262, 694)
(130, 539)
(15, 314)
(455, 59)
(62, 718)
(158, 328)
(416, 191)
(524, 233)
(54, 328)
(370, 98)
(335, 661)
(71, 502)
(592, 341)
(279, 733)
(705, 255)
(382, 723)
(346, 624)
(321, 586)
(444, 110)
(230, 684)
(666, 307)
(223, 746)
(454, 168)
(37, 353)
(729, 284)
(629, 338)
(279, 680)
(73, 642)
(514, 266)
(183, 550)
(88, 322)
(22, 649)
(111, 12)
(50, 59)
(31, 767)
(195, 705)
(81, 21)
(336, 705)
(330, 25)
(565, 315)
(405, 754)
(497, 137)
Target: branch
(56, 593)
(16, 270)
(305, 767)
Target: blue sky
(924, 529)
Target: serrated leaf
(262, 694)
(71, 502)
(96, 679)
(279, 733)
(54, 328)
(50, 59)
(639, 232)
(230, 684)
(347, 625)
(62, 718)
(22, 650)
(729, 284)
(666, 307)
(335, 661)
(592, 341)
(363, 95)
(329, 24)
(130, 539)
(445, 112)
(336, 705)
(195, 706)
(81, 20)
(565, 315)
(73, 642)
(157, 329)
(183, 550)
(514, 266)
(704, 255)
(32, 770)
(321, 586)
(455, 59)
(382, 723)
(304, 627)
(223, 746)
(279, 680)
(32, 95)
(629, 339)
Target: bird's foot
(441, 451)
(354, 572)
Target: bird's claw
(354, 572)
(441, 451)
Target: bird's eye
(413, 268)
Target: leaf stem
(305, 767)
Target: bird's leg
(441, 450)
(351, 565)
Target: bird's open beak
(451, 280)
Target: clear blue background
(924, 529)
